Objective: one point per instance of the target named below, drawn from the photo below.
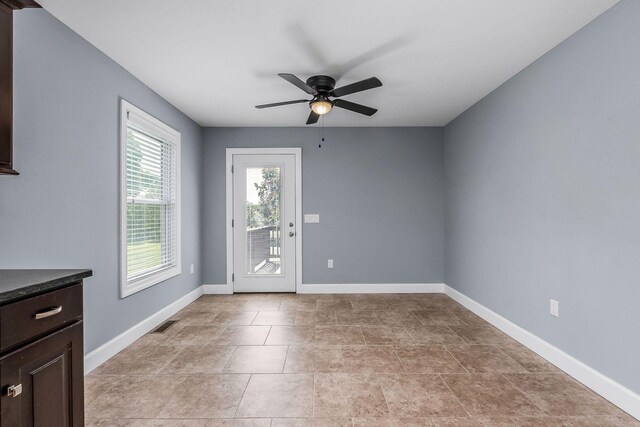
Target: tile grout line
(243, 393)
(455, 358)
(525, 394)
(386, 402)
(404, 368)
(454, 395)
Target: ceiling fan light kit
(322, 89)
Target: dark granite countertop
(16, 285)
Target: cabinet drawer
(24, 320)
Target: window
(150, 200)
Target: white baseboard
(614, 392)
(109, 349)
(372, 288)
(224, 289)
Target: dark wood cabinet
(6, 89)
(49, 375)
(6, 81)
(41, 359)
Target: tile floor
(336, 360)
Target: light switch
(312, 218)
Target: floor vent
(166, 325)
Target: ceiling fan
(322, 89)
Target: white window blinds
(152, 201)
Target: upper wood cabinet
(6, 81)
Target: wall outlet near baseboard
(329, 263)
(554, 308)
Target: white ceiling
(214, 60)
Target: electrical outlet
(554, 308)
(330, 263)
(192, 269)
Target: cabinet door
(50, 373)
(6, 86)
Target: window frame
(166, 133)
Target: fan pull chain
(321, 131)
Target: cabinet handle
(50, 312)
(14, 390)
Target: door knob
(290, 224)
(291, 234)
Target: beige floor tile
(490, 395)
(240, 318)
(338, 335)
(195, 335)
(397, 318)
(432, 359)
(348, 395)
(437, 316)
(243, 335)
(386, 335)
(148, 423)
(255, 305)
(195, 318)
(257, 360)
(298, 305)
(139, 396)
(305, 318)
(333, 304)
(478, 358)
(371, 359)
(334, 360)
(419, 396)
(314, 359)
(291, 335)
(139, 359)
(434, 334)
(249, 422)
(369, 302)
(356, 317)
(481, 334)
(311, 422)
(277, 395)
(392, 422)
(527, 358)
(326, 317)
(206, 396)
(369, 305)
(96, 385)
(199, 359)
(558, 394)
(474, 422)
(270, 318)
(588, 421)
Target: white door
(264, 223)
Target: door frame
(297, 153)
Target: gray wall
(378, 192)
(62, 211)
(542, 184)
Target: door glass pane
(263, 221)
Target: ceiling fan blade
(277, 104)
(352, 106)
(356, 87)
(313, 118)
(297, 82)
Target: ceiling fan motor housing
(321, 83)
